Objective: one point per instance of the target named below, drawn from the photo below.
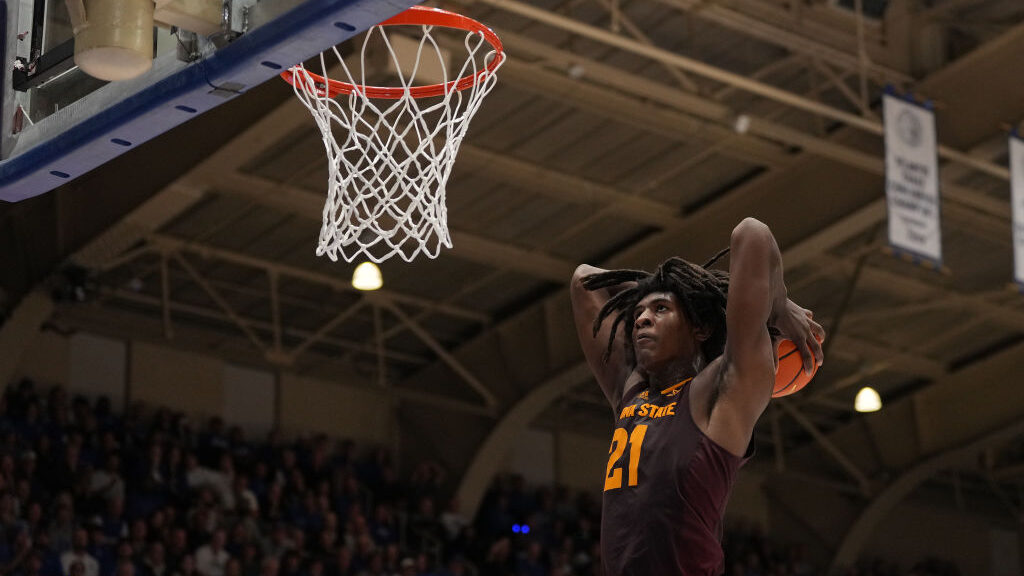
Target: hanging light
(367, 277)
(867, 400)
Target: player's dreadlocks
(701, 292)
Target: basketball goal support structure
(120, 116)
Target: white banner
(1017, 200)
(912, 179)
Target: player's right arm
(613, 369)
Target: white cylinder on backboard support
(113, 38)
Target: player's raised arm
(757, 297)
(610, 365)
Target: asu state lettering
(651, 410)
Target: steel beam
(829, 447)
(442, 353)
(566, 187)
(626, 109)
(759, 129)
(255, 324)
(177, 244)
(758, 28)
(221, 302)
(728, 77)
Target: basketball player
(687, 372)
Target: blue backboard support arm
(121, 116)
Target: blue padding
(249, 61)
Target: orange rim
(416, 16)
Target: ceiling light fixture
(867, 400)
(367, 277)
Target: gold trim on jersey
(675, 388)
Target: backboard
(59, 123)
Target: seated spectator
(198, 476)
(177, 548)
(157, 528)
(126, 554)
(138, 536)
(29, 427)
(107, 483)
(75, 568)
(531, 562)
(291, 563)
(342, 562)
(269, 567)
(375, 567)
(21, 554)
(175, 477)
(27, 463)
(250, 559)
(385, 526)
(187, 567)
(212, 558)
(150, 489)
(154, 563)
(316, 567)
(114, 525)
(233, 567)
(68, 466)
(32, 566)
(456, 567)
(499, 559)
(125, 568)
(426, 529)
(78, 556)
(62, 528)
(8, 477)
(50, 559)
(279, 542)
(452, 520)
(407, 567)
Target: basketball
(790, 376)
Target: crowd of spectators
(86, 491)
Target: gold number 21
(613, 478)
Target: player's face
(661, 332)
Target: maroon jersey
(665, 490)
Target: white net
(389, 159)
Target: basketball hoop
(388, 171)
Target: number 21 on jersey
(613, 477)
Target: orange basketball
(790, 377)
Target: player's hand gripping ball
(790, 376)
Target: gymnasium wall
(913, 531)
(357, 411)
(204, 386)
(583, 459)
(576, 460)
(183, 381)
(47, 359)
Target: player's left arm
(757, 297)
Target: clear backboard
(59, 122)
